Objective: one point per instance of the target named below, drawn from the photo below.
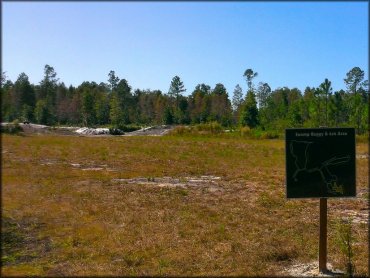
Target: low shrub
(115, 131)
(180, 130)
(12, 128)
(258, 133)
(126, 128)
(345, 239)
(199, 129)
(270, 135)
(245, 131)
(121, 129)
(129, 128)
(212, 127)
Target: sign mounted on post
(320, 162)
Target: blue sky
(288, 43)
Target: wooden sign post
(323, 235)
(321, 163)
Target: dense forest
(116, 104)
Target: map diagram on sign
(304, 151)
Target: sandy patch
(357, 217)
(91, 167)
(311, 270)
(362, 156)
(209, 182)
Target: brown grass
(62, 220)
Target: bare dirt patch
(91, 167)
(209, 182)
(362, 156)
(311, 270)
(357, 217)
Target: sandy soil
(311, 270)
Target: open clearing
(168, 205)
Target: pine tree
(249, 113)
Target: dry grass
(64, 219)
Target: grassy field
(68, 208)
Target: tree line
(115, 103)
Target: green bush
(115, 131)
(180, 130)
(129, 128)
(212, 127)
(121, 129)
(270, 135)
(245, 131)
(12, 128)
(258, 133)
(199, 129)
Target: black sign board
(320, 162)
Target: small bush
(12, 128)
(270, 135)
(344, 239)
(129, 128)
(245, 131)
(212, 127)
(258, 133)
(115, 131)
(126, 128)
(199, 129)
(180, 130)
(121, 129)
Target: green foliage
(12, 128)
(116, 113)
(115, 131)
(263, 93)
(112, 80)
(88, 112)
(27, 112)
(41, 112)
(249, 74)
(249, 113)
(199, 129)
(120, 129)
(212, 127)
(259, 133)
(24, 93)
(113, 103)
(354, 79)
(11, 238)
(237, 97)
(168, 117)
(176, 88)
(101, 108)
(126, 128)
